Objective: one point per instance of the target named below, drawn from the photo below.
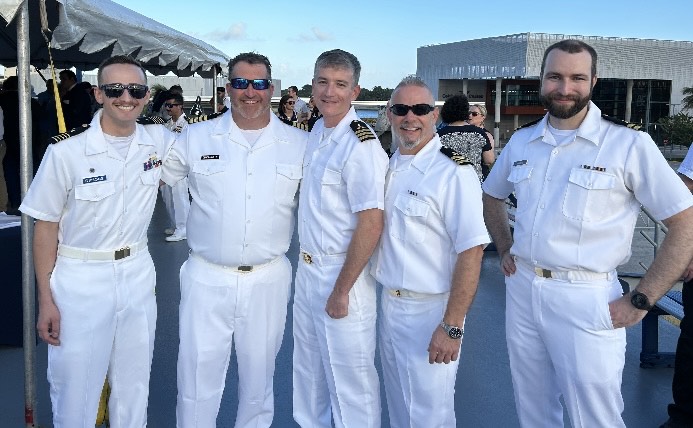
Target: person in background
(176, 197)
(429, 269)
(477, 116)
(465, 139)
(93, 198)
(314, 113)
(76, 103)
(301, 108)
(285, 110)
(580, 180)
(340, 218)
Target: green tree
(678, 128)
(687, 101)
(306, 91)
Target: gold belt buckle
(122, 253)
(398, 293)
(307, 258)
(544, 273)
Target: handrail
(655, 241)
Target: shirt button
(554, 152)
(536, 234)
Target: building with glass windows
(639, 80)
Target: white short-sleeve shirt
(341, 176)
(577, 203)
(433, 212)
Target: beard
(403, 143)
(564, 111)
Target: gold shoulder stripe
(634, 126)
(204, 117)
(456, 157)
(65, 135)
(362, 131)
(151, 120)
(301, 125)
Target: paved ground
(484, 395)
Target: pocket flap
(519, 173)
(151, 178)
(590, 179)
(95, 191)
(209, 167)
(411, 207)
(293, 172)
(331, 177)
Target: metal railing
(658, 231)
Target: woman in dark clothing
(285, 112)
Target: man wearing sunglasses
(244, 168)
(428, 262)
(301, 107)
(340, 220)
(580, 179)
(93, 197)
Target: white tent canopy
(85, 32)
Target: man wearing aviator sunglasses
(93, 197)
(428, 262)
(244, 167)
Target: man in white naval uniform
(428, 262)
(176, 197)
(340, 219)
(93, 197)
(579, 179)
(244, 168)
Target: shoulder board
(301, 125)
(204, 117)
(151, 120)
(456, 157)
(65, 135)
(635, 126)
(532, 123)
(362, 131)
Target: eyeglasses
(474, 113)
(169, 105)
(115, 90)
(258, 84)
(291, 103)
(417, 109)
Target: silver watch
(452, 330)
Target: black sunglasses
(417, 109)
(169, 105)
(258, 84)
(115, 90)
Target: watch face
(455, 332)
(640, 301)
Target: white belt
(88, 254)
(569, 275)
(323, 260)
(239, 269)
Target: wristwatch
(452, 330)
(640, 301)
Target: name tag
(520, 162)
(93, 179)
(208, 157)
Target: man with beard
(244, 168)
(580, 179)
(428, 262)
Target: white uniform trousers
(107, 322)
(418, 394)
(334, 358)
(561, 342)
(177, 202)
(219, 305)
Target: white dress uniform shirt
(177, 125)
(578, 202)
(346, 176)
(231, 220)
(433, 212)
(101, 200)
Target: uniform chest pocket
(588, 194)
(208, 178)
(330, 188)
(287, 179)
(520, 176)
(408, 221)
(95, 201)
(151, 177)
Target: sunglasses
(474, 113)
(115, 90)
(290, 103)
(169, 105)
(417, 109)
(258, 84)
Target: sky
(385, 34)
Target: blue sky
(385, 34)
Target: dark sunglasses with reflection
(115, 90)
(258, 84)
(417, 109)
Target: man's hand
(337, 305)
(48, 325)
(624, 314)
(507, 264)
(442, 348)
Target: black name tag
(208, 157)
(93, 179)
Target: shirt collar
(423, 160)
(588, 129)
(96, 143)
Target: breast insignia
(65, 135)
(456, 157)
(204, 117)
(151, 120)
(362, 131)
(634, 126)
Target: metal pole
(25, 177)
